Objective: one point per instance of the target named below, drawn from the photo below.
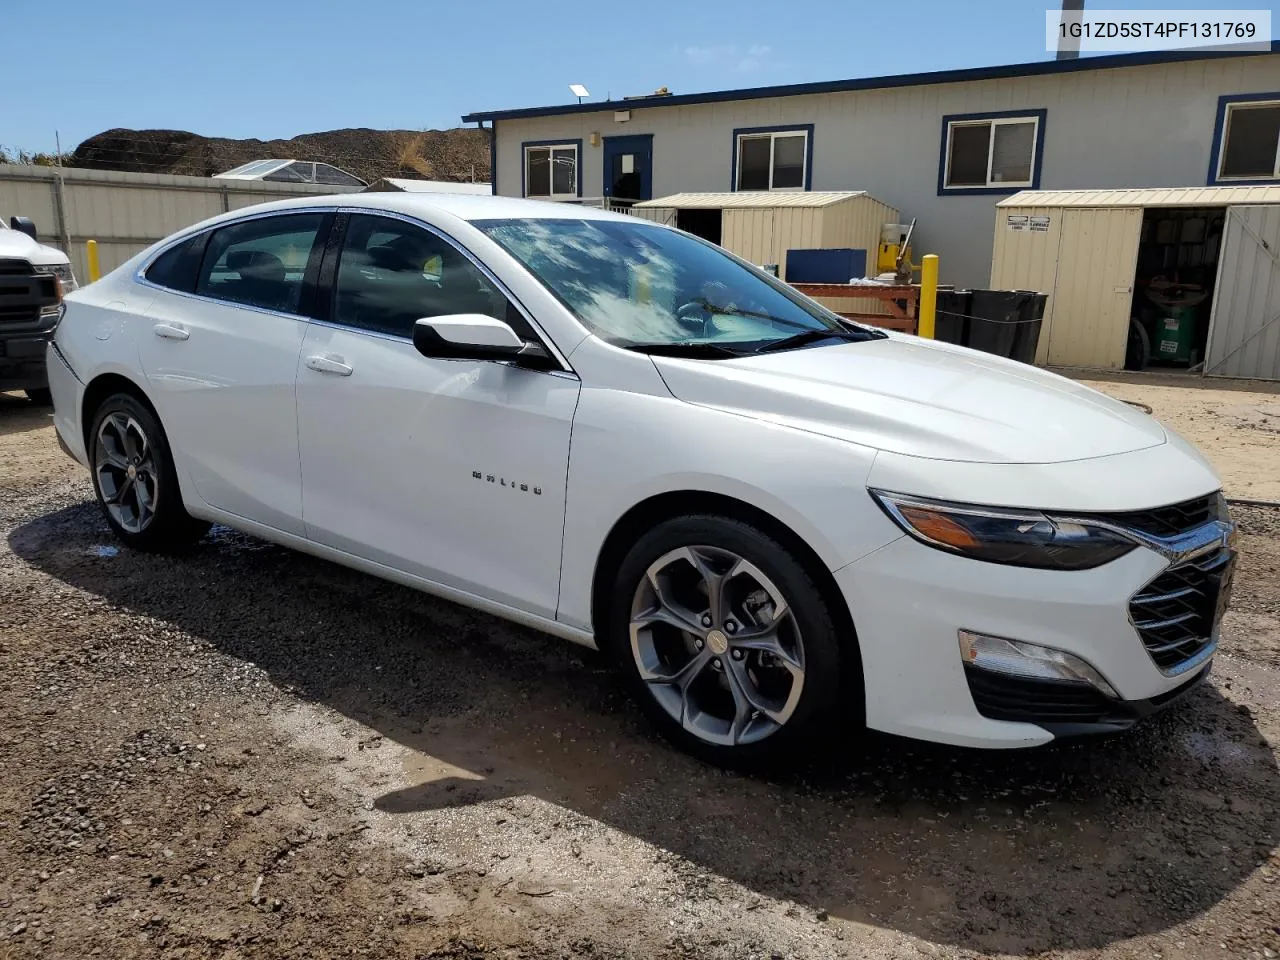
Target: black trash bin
(951, 317)
(995, 315)
(1027, 332)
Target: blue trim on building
(493, 158)
(1035, 69)
(1219, 129)
(1036, 161)
(784, 128)
(563, 142)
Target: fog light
(1028, 660)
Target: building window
(773, 158)
(1248, 139)
(994, 153)
(551, 170)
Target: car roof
(461, 206)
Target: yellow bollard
(927, 311)
(95, 269)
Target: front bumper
(908, 601)
(22, 361)
(1065, 708)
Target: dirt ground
(1235, 422)
(245, 752)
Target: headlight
(60, 270)
(1020, 538)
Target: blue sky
(265, 68)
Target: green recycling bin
(1175, 334)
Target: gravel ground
(245, 752)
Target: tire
(128, 454)
(690, 683)
(40, 396)
(1138, 350)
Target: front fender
(628, 448)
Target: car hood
(912, 396)
(14, 243)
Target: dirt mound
(458, 154)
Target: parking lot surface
(246, 752)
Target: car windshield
(643, 286)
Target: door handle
(172, 331)
(329, 363)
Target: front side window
(392, 274)
(772, 160)
(1250, 141)
(260, 262)
(996, 153)
(640, 285)
(551, 171)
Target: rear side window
(262, 262)
(177, 267)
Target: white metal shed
(1083, 248)
(761, 226)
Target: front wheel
(726, 642)
(135, 480)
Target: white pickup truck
(33, 280)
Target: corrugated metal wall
(856, 223)
(1022, 260)
(125, 212)
(1141, 126)
(1244, 334)
(765, 234)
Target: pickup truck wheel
(134, 478)
(726, 642)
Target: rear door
(220, 351)
(449, 470)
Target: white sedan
(779, 523)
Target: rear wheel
(726, 642)
(40, 396)
(135, 480)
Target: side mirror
(24, 225)
(474, 336)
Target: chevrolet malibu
(775, 520)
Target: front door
(449, 470)
(628, 168)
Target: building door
(628, 168)
(1244, 332)
(1093, 294)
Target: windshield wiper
(694, 351)
(814, 336)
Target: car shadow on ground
(20, 415)
(1072, 846)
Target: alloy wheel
(717, 644)
(127, 474)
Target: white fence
(125, 212)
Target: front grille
(1000, 696)
(1063, 706)
(23, 293)
(1177, 613)
(1168, 521)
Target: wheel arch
(672, 504)
(101, 387)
